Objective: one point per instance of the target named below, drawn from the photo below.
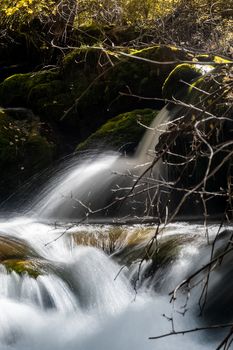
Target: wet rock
(175, 82)
(121, 133)
(14, 248)
(108, 240)
(31, 267)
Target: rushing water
(85, 287)
(78, 303)
(95, 187)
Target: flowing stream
(84, 286)
(79, 300)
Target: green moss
(175, 80)
(101, 77)
(92, 86)
(15, 90)
(45, 99)
(211, 58)
(83, 62)
(121, 130)
(210, 84)
(22, 267)
(219, 59)
(89, 34)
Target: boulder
(92, 85)
(14, 248)
(121, 133)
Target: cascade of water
(82, 302)
(57, 292)
(82, 190)
(146, 149)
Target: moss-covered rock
(96, 33)
(105, 81)
(92, 86)
(175, 82)
(122, 132)
(25, 148)
(15, 248)
(15, 90)
(213, 92)
(31, 267)
(17, 255)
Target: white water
(80, 305)
(76, 302)
(80, 190)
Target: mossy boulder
(14, 248)
(212, 83)
(31, 267)
(92, 86)
(122, 132)
(182, 76)
(96, 33)
(175, 82)
(105, 81)
(25, 149)
(30, 89)
(17, 255)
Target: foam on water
(81, 305)
(84, 299)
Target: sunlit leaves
(111, 11)
(22, 9)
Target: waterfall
(80, 299)
(94, 187)
(83, 286)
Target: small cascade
(84, 297)
(67, 283)
(99, 187)
(146, 149)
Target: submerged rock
(108, 239)
(31, 267)
(159, 252)
(129, 245)
(113, 239)
(17, 255)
